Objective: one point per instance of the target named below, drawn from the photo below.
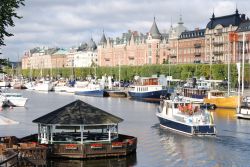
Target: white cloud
(65, 23)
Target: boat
(115, 93)
(3, 81)
(43, 85)
(92, 89)
(148, 88)
(185, 117)
(221, 100)
(3, 101)
(244, 111)
(15, 99)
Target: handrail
(15, 155)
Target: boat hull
(187, 129)
(148, 95)
(96, 93)
(18, 102)
(223, 102)
(244, 113)
(114, 93)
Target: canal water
(157, 147)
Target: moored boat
(221, 100)
(116, 93)
(91, 89)
(148, 88)
(188, 118)
(15, 99)
(243, 111)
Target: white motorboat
(15, 99)
(44, 85)
(244, 110)
(185, 117)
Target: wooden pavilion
(80, 130)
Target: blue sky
(67, 23)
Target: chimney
(196, 29)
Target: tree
(7, 14)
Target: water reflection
(130, 160)
(225, 113)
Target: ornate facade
(134, 48)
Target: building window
(149, 60)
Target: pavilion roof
(78, 113)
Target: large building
(219, 48)
(41, 58)
(134, 48)
(212, 44)
(221, 41)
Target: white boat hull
(17, 101)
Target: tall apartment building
(219, 48)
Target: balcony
(197, 54)
(218, 43)
(197, 45)
(107, 59)
(218, 53)
(173, 56)
(197, 61)
(241, 51)
(131, 57)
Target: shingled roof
(225, 21)
(78, 113)
(154, 31)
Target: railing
(218, 53)
(197, 45)
(131, 57)
(107, 59)
(10, 158)
(197, 54)
(218, 43)
(172, 55)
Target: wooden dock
(21, 154)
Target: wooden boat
(221, 100)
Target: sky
(67, 23)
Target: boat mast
(243, 63)
(228, 69)
(238, 69)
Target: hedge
(184, 71)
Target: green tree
(7, 14)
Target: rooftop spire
(180, 20)
(103, 39)
(236, 11)
(154, 31)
